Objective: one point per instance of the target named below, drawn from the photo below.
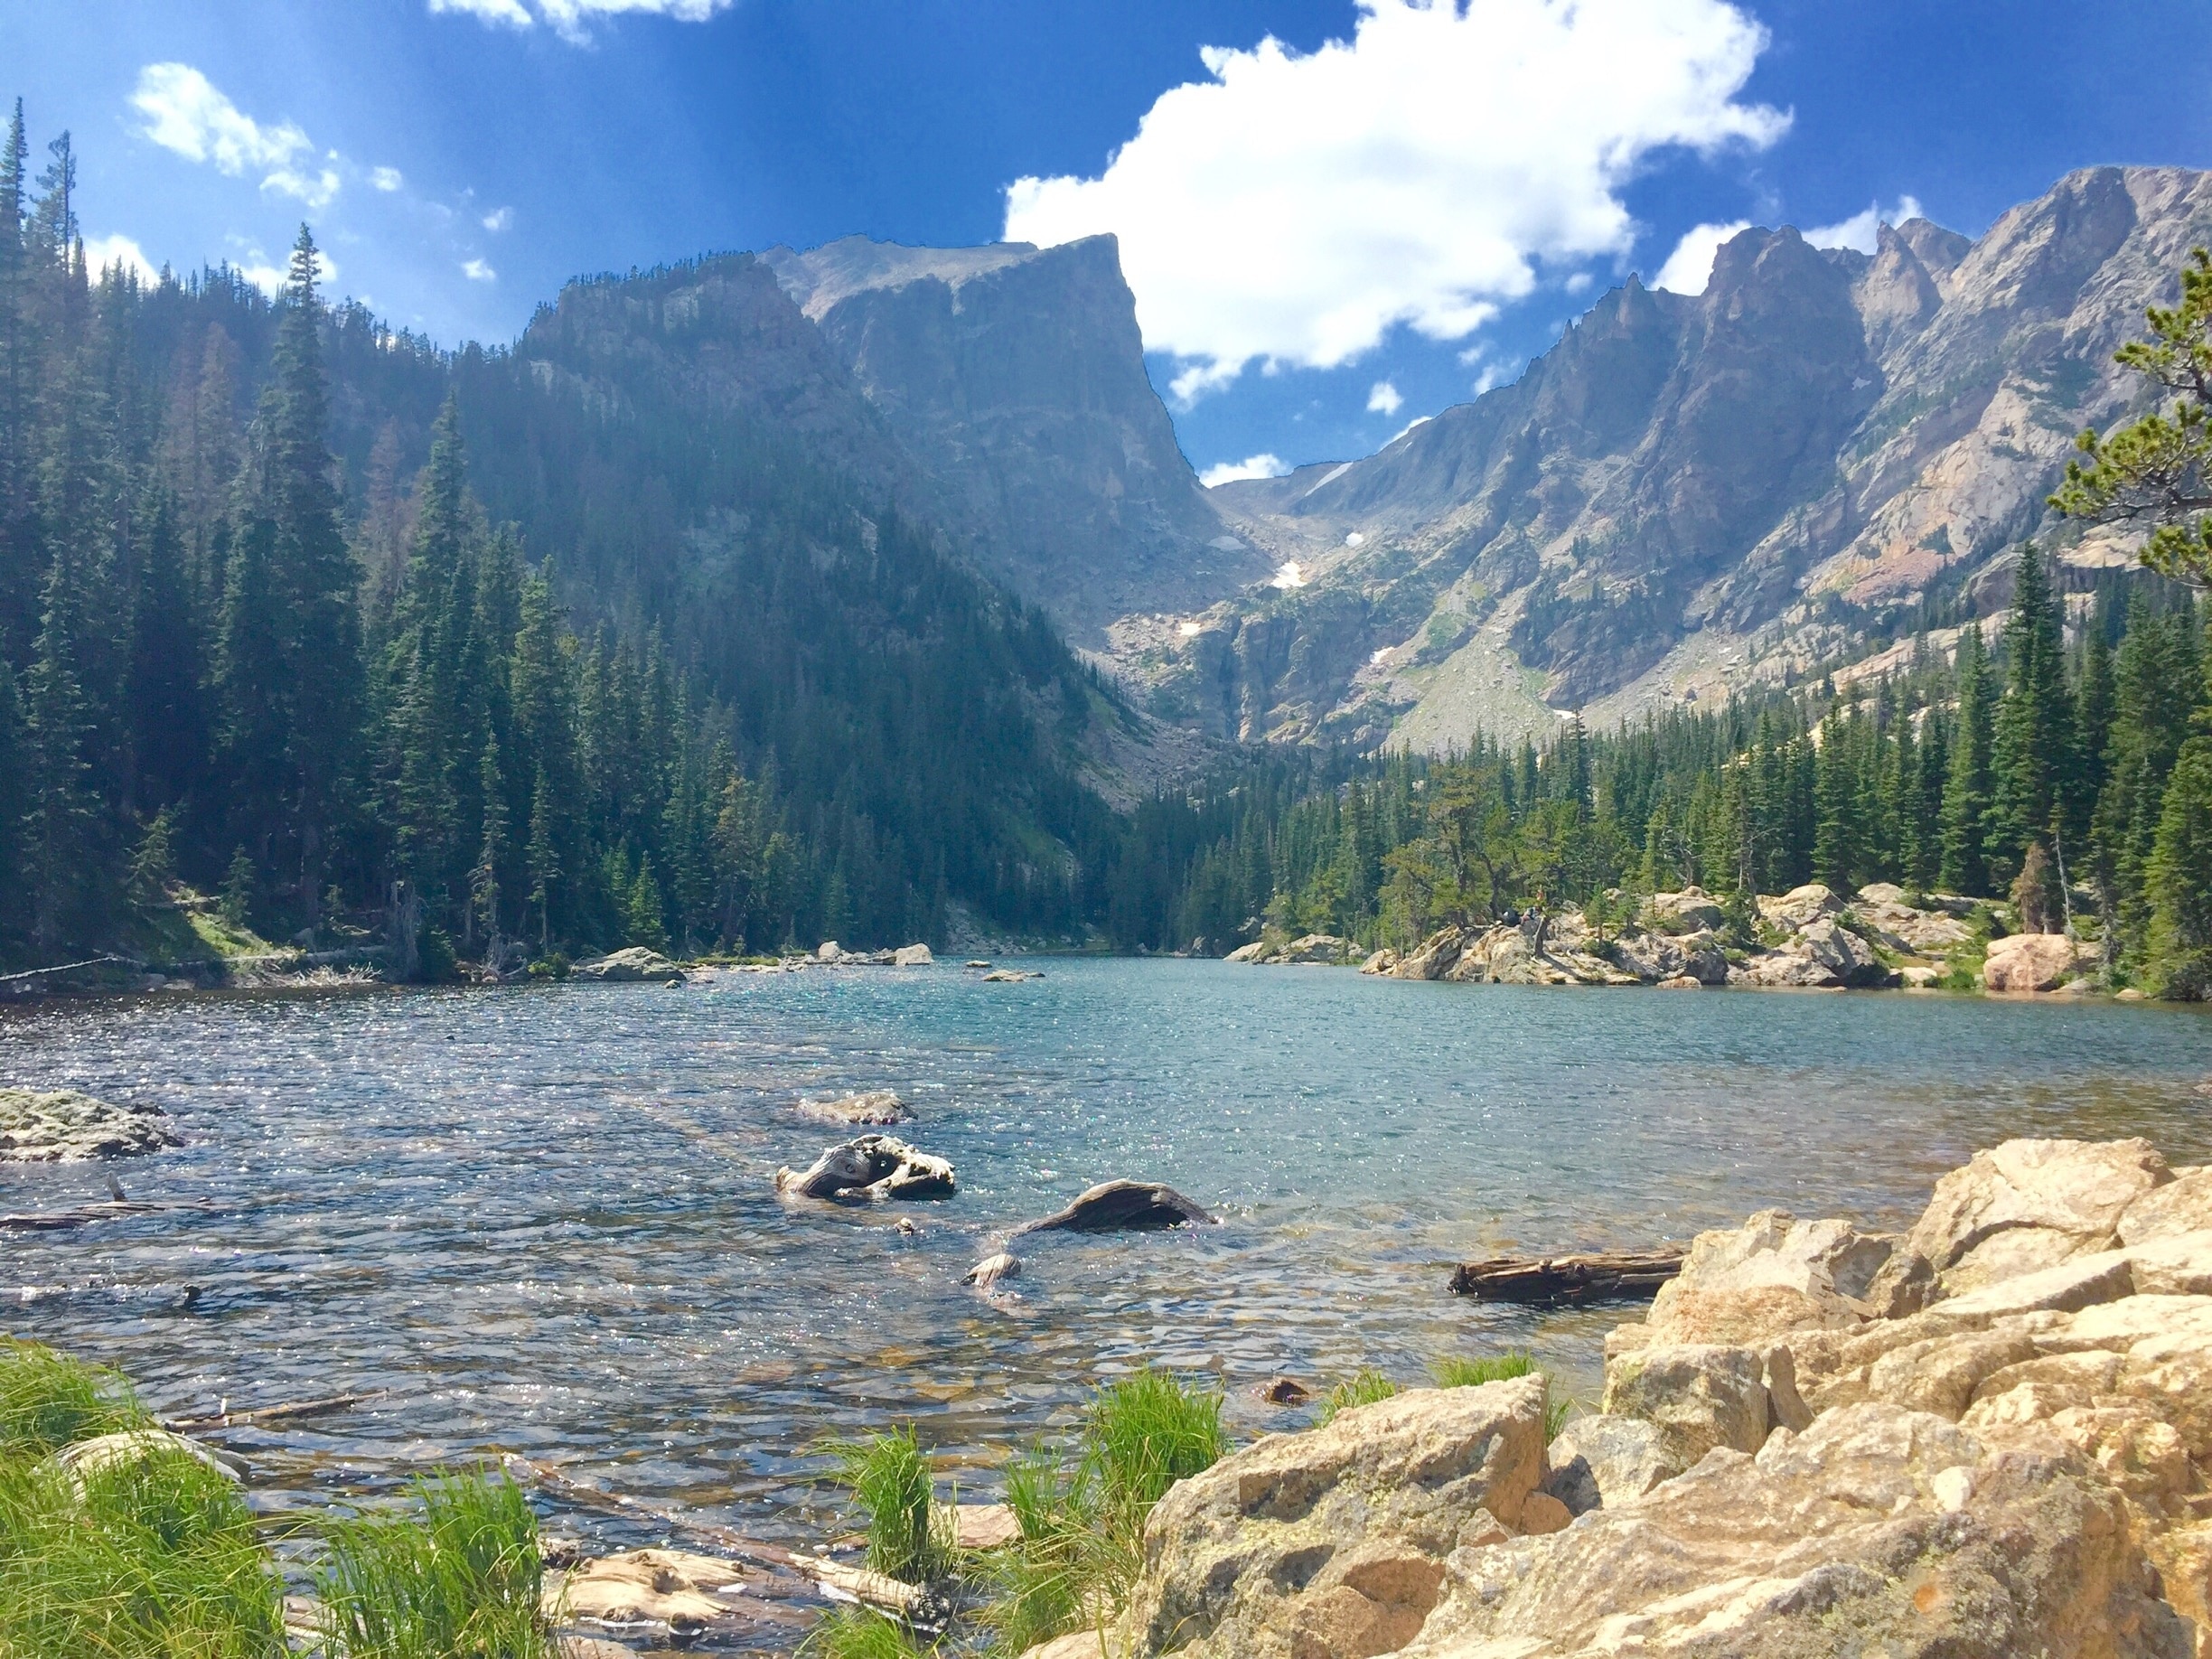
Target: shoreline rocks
(876, 1106)
(1120, 1206)
(1989, 1437)
(63, 1126)
(634, 966)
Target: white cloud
(1252, 467)
(498, 220)
(1580, 282)
(1295, 207)
(102, 251)
(385, 179)
(1689, 267)
(270, 279)
(187, 113)
(1383, 398)
(570, 18)
(476, 271)
(1490, 378)
(1858, 231)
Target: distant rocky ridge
(1686, 495)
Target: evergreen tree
(2178, 957)
(643, 914)
(1967, 791)
(2033, 749)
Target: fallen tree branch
(271, 1414)
(1546, 1281)
(106, 1209)
(89, 961)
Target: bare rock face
(1603, 1459)
(2032, 962)
(1878, 1530)
(1657, 957)
(1435, 956)
(1333, 1542)
(1773, 1275)
(635, 965)
(872, 1166)
(1800, 907)
(1696, 1395)
(2020, 1206)
(1819, 952)
(1690, 911)
(64, 1127)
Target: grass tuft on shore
(1369, 1385)
(151, 1555)
(458, 1581)
(910, 1537)
(859, 1633)
(1364, 1387)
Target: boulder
(1284, 1392)
(1772, 1275)
(1333, 1542)
(830, 950)
(2183, 1204)
(1600, 1459)
(630, 967)
(872, 1166)
(2017, 1207)
(1799, 907)
(983, 1526)
(1256, 951)
(877, 1106)
(2032, 962)
(1432, 958)
(1930, 932)
(1696, 1395)
(1315, 950)
(1381, 962)
(674, 1589)
(1011, 976)
(1877, 1530)
(62, 1126)
(913, 956)
(1120, 1207)
(1681, 981)
(1820, 953)
(1659, 957)
(1690, 911)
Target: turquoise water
(543, 1218)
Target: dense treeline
(1986, 769)
(259, 633)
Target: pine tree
(14, 802)
(61, 827)
(1967, 791)
(2179, 952)
(543, 860)
(2032, 763)
(484, 879)
(642, 912)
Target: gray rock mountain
(1014, 376)
(1686, 495)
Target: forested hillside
(1984, 776)
(611, 667)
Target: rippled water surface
(543, 1219)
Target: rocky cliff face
(1686, 495)
(1015, 377)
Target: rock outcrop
(872, 1166)
(2032, 962)
(1989, 1437)
(62, 1126)
(633, 966)
(1312, 950)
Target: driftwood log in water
(290, 1409)
(1117, 1206)
(1548, 1281)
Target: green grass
(1458, 1372)
(859, 1633)
(48, 1400)
(1082, 1509)
(459, 1580)
(155, 1555)
(1364, 1388)
(909, 1536)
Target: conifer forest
(347, 637)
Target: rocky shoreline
(1992, 1436)
(1809, 939)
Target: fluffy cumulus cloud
(1252, 467)
(1383, 399)
(385, 179)
(572, 18)
(102, 251)
(1858, 231)
(1293, 207)
(185, 113)
(476, 271)
(1689, 267)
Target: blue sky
(1329, 237)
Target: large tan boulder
(1690, 911)
(1877, 1530)
(2183, 1204)
(1331, 1544)
(2032, 962)
(1771, 1275)
(1799, 907)
(1432, 958)
(2016, 1208)
(1603, 1459)
(1697, 1395)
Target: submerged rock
(65, 1127)
(872, 1166)
(877, 1106)
(633, 966)
(1120, 1206)
(991, 1269)
(674, 1589)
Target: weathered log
(1115, 1206)
(271, 1414)
(1548, 1281)
(53, 1221)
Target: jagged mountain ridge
(1686, 494)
